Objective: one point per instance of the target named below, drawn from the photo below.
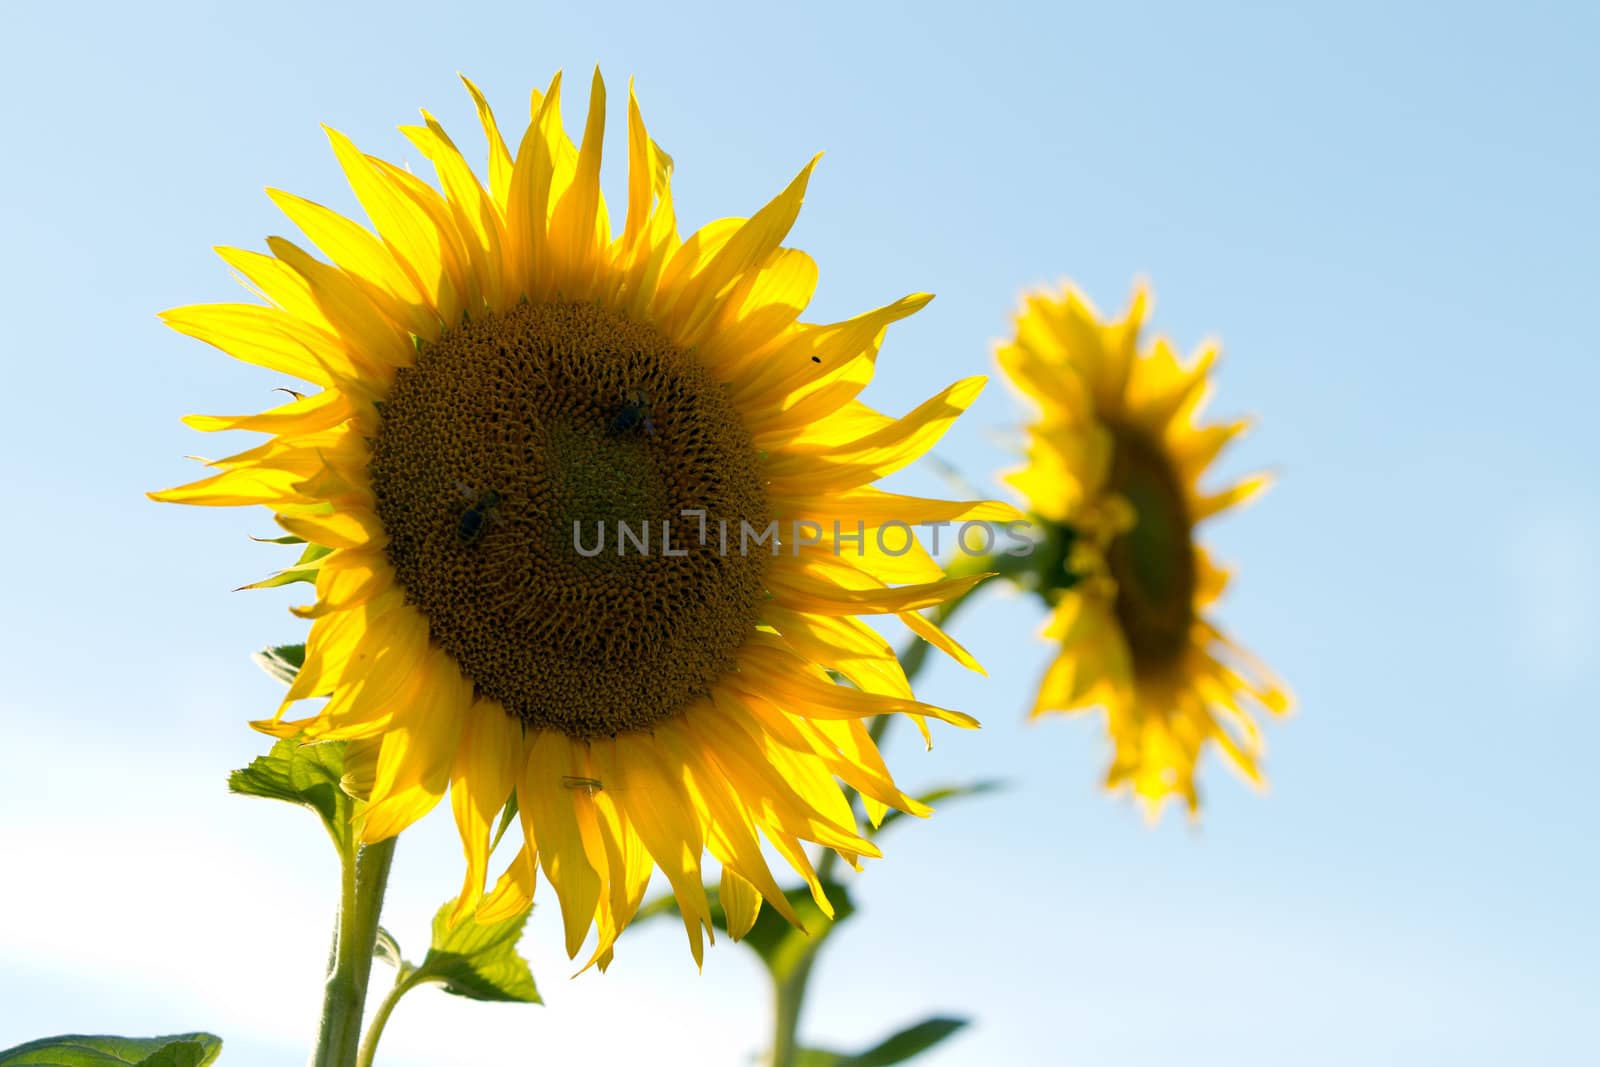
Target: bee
(474, 522)
(588, 785)
(635, 413)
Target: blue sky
(1388, 217)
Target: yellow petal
(487, 761)
(661, 811)
(416, 753)
(513, 892)
(562, 819)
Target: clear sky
(1388, 216)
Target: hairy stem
(365, 871)
(404, 983)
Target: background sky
(1389, 217)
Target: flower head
(497, 381)
(1114, 468)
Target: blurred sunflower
(1114, 468)
(492, 370)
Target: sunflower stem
(403, 984)
(788, 997)
(790, 993)
(365, 874)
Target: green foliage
(479, 960)
(896, 1048)
(78, 1050)
(302, 774)
(471, 959)
(506, 816)
(300, 572)
(783, 947)
(283, 662)
(937, 796)
(308, 775)
(387, 949)
(1047, 570)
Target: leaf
(283, 662)
(816, 1057)
(387, 949)
(79, 1050)
(781, 946)
(302, 774)
(911, 1042)
(943, 793)
(478, 960)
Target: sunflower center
(515, 446)
(1153, 562)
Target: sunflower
(1114, 469)
(495, 380)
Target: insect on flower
(635, 413)
(474, 522)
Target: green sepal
(308, 775)
(79, 1050)
(281, 578)
(283, 662)
(943, 793)
(1047, 570)
(286, 539)
(896, 1048)
(506, 817)
(781, 946)
(477, 960)
(298, 573)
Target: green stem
(790, 994)
(365, 873)
(403, 984)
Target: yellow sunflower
(496, 381)
(1114, 468)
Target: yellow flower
(1114, 468)
(497, 381)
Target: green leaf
(302, 774)
(478, 960)
(911, 1042)
(283, 662)
(78, 1050)
(781, 946)
(948, 792)
(816, 1057)
(387, 949)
